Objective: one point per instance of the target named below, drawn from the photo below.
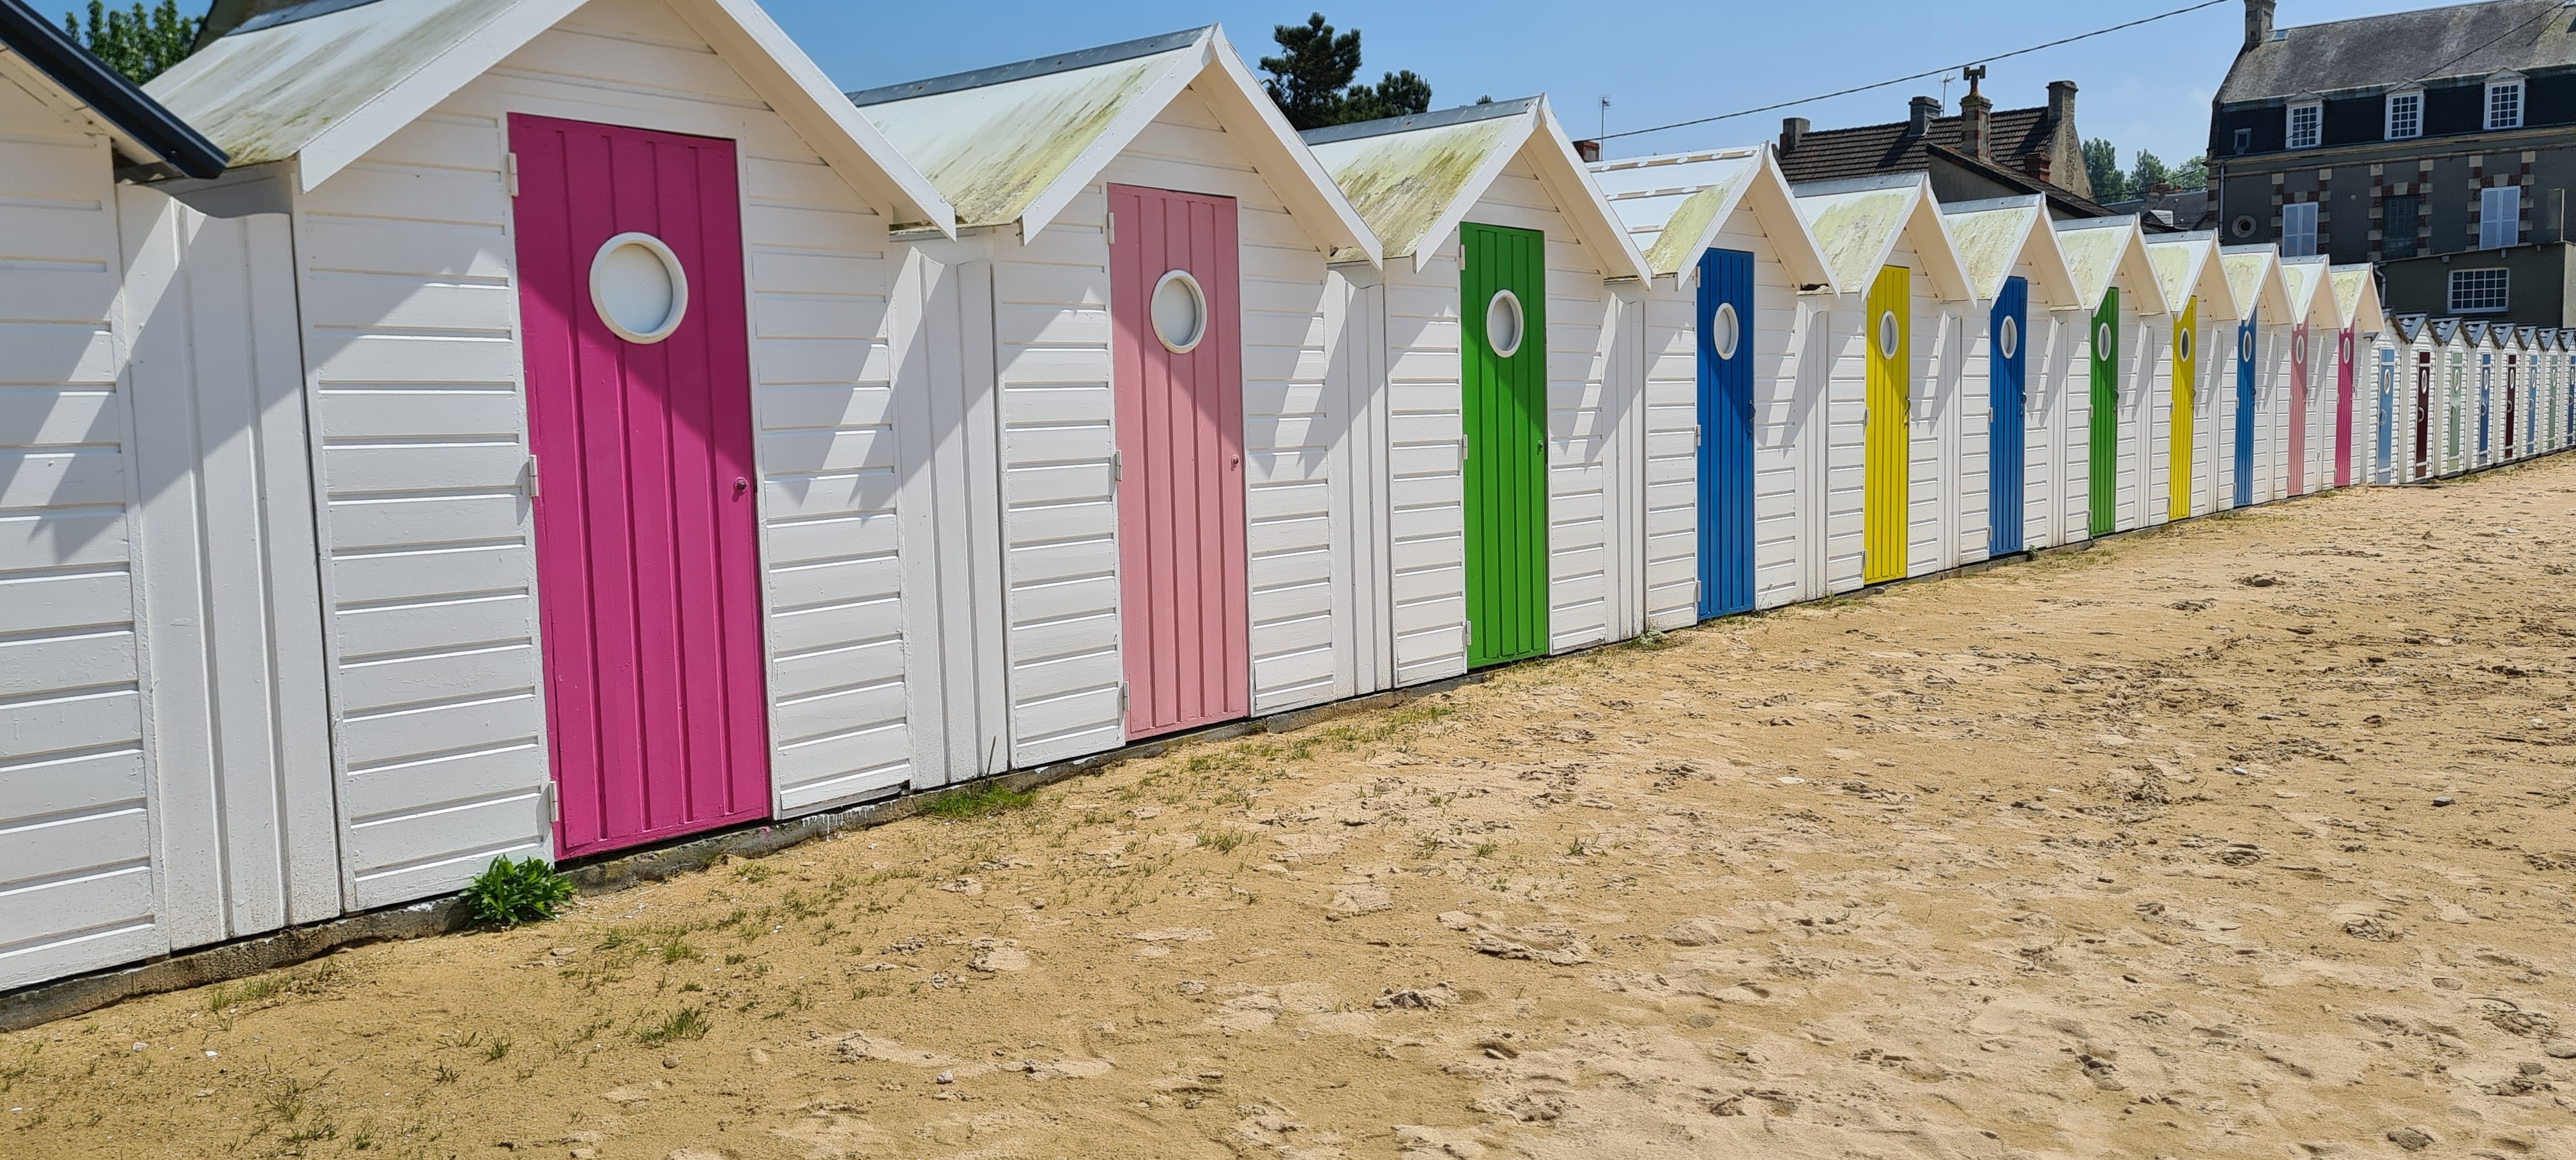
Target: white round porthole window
(2102, 340)
(639, 288)
(1180, 312)
(1503, 323)
(2245, 344)
(1724, 331)
(1887, 334)
(2008, 337)
(2299, 351)
(2182, 344)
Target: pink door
(2343, 409)
(2298, 410)
(1177, 361)
(639, 418)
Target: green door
(2105, 473)
(1502, 304)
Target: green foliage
(685, 1023)
(982, 801)
(2147, 171)
(1311, 79)
(2102, 168)
(509, 893)
(139, 44)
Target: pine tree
(1311, 79)
(139, 44)
(2102, 167)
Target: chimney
(1919, 120)
(1976, 118)
(1792, 131)
(2258, 23)
(1589, 151)
(2061, 102)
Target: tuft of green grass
(685, 1023)
(990, 799)
(1223, 841)
(509, 893)
(1486, 849)
(496, 1050)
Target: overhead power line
(1923, 75)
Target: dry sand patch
(2249, 837)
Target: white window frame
(2508, 88)
(2298, 229)
(2500, 286)
(2499, 217)
(2412, 101)
(2290, 138)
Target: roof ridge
(1409, 122)
(1025, 69)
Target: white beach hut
(593, 321)
(1138, 345)
(2355, 398)
(2309, 376)
(1735, 411)
(2198, 367)
(1513, 324)
(2455, 386)
(1897, 340)
(2478, 443)
(2018, 348)
(2121, 419)
(164, 764)
(2246, 422)
(2411, 396)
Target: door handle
(741, 485)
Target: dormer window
(2405, 114)
(2307, 118)
(2504, 101)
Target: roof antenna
(1605, 114)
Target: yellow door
(2186, 402)
(1883, 498)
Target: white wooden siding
(1426, 488)
(1051, 332)
(1934, 347)
(78, 887)
(239, 730)
(411, 335)
(1355, 327)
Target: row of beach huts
(549, 427)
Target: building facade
(2441, 141)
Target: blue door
(2245, 411)
(1726, 433)
(2004, 379)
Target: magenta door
(639, 419)
(2298, 410)
(2343, 409)
(1177, 366)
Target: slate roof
(1832, 154)
(2381, 52)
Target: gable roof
(2380, 52)
(43, 56)
(2107, 252)
(2409, 327)
(1414, 178)
(2014, 136)
(2187, 269)
(1674, 206)
(2310, 298)
(2254, 277)
(2446, 329)
(328, 80)
(1858, 223)
(1996, 236)
(1018, 142)
(2356, 295)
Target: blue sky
(1658, 61)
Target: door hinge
(510, 172)
(1696, 434)
(1122, 698)
(1462, 449)
(528, 474)
(554, 805)
(1471, 636)
(1113, 227)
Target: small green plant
(1222, 841)
(496, 1050)
(983, 801)
(1486, 849)
(1576, 848)
(509, 893)
(685, 1023)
